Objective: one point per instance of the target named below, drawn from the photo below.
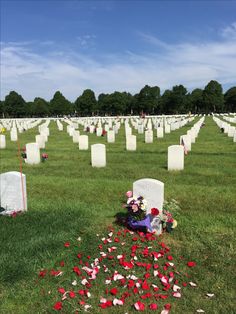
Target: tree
(40, 107)
(166, 102)
(148, 99)
(86, 104)
(180, 102)
(196, 100)
(2, 108)
(230, 99)
(15, 105)
(59, 105)
(213, 98)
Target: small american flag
(185, 149)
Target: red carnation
(191, 264)
(154, 211)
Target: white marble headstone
(2, 141)
(149, 136)
(111, 136)
(160, 132)
(131, 142)
(13, 135)
(176, 157)
(152, 190)
(99, 131)
(187, 141)
(32, 153)
(13, 197)
(83, 142)
(40, 140)
(98, 155)
(75, 137)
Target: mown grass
(67, 198)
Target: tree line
(148, 101)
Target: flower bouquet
(44, 157)
(165, 217)
(137, 215)
(23, 154)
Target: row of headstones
(188, 139)
(40, 139)
(131, 141)
(13, 193)
(229, 118)
(228, 129)
(176, 153)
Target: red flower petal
(139, 306)
(113, 291)
(167, 306)
(61, 290)
(153, 306)
(67, 244)
(57, 306)
(72, 294)
(191, 264)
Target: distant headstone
(128, 131)
(149, 136)
(111, 136)
(98, 155)
(99, 131)
(160, 132)
(131, 142)
(167, 128)
(13, 192)
(2, 141)
(75, 137)
(186, 140)
(231, 131)
(83, 142)
(91, 129)
(140, 128)
(32, 153)
(176, 157)
(40, 140)
(13, 135)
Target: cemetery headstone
(13, 192)
(83, 142)
(176, 157)
(98, 155)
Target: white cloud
(229, 31)
(40, 74)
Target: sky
(112, 46)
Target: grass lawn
(68, 198)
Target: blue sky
(115, 45)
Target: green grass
(67, 198)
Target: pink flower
(129, 194)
